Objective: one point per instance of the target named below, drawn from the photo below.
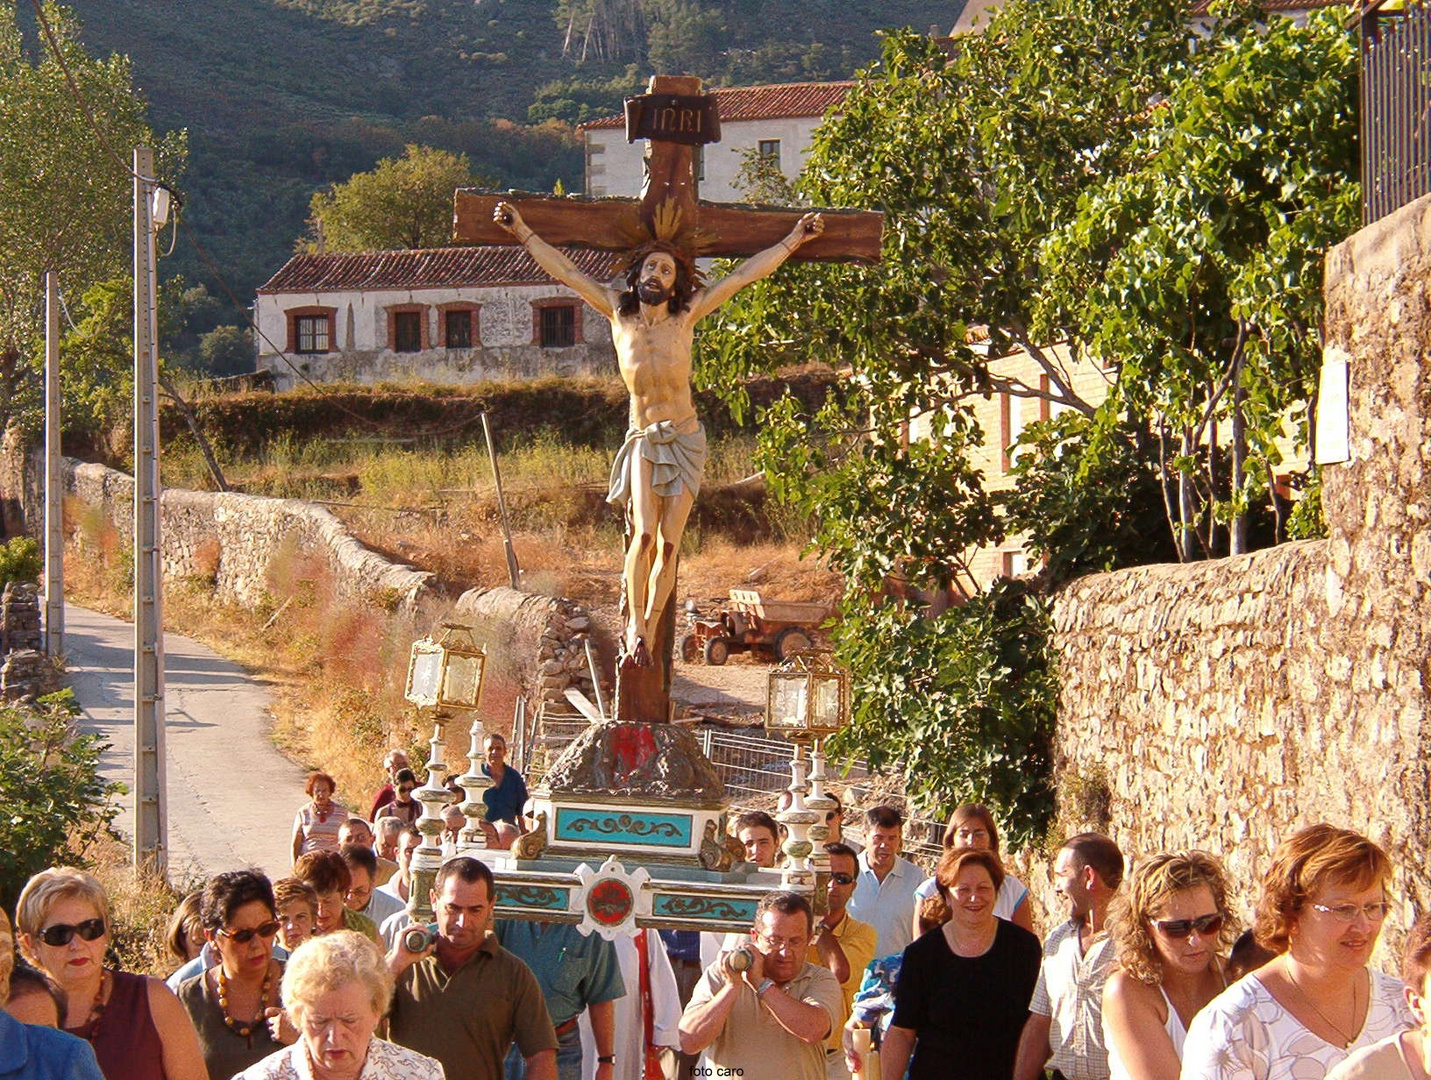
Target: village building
(777, 121)
(445, 315)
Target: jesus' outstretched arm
(756, 267)
(554, 262)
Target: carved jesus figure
(658, 471)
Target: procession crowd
(321, 975)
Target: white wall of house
(616, 167)
(360, 349)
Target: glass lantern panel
(827, 703)
(423, 680)
(463, 682)
(787, 703)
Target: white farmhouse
(777, 121)
(447, 315)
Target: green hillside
(282, 97)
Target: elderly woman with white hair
(136, 1025)
(336, 989)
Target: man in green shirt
(465, 999)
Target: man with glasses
(844, 945)
(357, 831)
(362, 895)
(769, 1019)
(1066, 1016)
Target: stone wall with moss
(1225, 704)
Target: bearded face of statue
(657, 279)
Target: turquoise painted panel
(533, 896)
(703, 907)
(620, 827)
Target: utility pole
(54, 481)
(151, 820)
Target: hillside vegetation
(283, 97)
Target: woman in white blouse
(1322, 907)
(1171, 927)
(336, 988)
(971, 826)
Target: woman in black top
(964, 989)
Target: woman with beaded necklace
(228, 1001)
(137, 1027)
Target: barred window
(311, 332)
(558, 326)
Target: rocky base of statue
(634, 759)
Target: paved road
(232, 796)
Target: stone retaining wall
(230, 541)
(1225, 704)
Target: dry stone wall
(230, 541)
(1223, 705)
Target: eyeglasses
(843, 879)
(793, 945)
(834, 815)
(243, 937)
(63, 933)
(1181, 928)
(1348, 912)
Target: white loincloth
(677, 453)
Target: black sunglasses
(843, 879)
(1181, 928)
(243, 937)
(63, 933)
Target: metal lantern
(446, 672)
(809, 697)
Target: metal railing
(1395, 105)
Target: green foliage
(226, 350)
(761, 180)
(1307, 520)
(55, 803)
(963, 703)
(1087, 500)
(1196, 267)
(403, 203)
(20, 560)
(64, 202)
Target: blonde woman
(136, 1025)
(336, 988)
(1171, 927)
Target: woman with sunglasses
(1322, 907)
(136, 1025)
(1171, 927)
(227, 1002)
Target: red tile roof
(425, 268)
(772, 102)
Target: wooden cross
(672, 103)
(676, 118)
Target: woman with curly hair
(1171, 927)
(318, 821)
(1321, 910)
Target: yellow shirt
(857, 939)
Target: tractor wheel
(717, 651)
(690, 649)
(790, 641)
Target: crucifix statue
(658, 470)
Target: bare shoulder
(1132, 997)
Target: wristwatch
(606, 1059)
(765, 984)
